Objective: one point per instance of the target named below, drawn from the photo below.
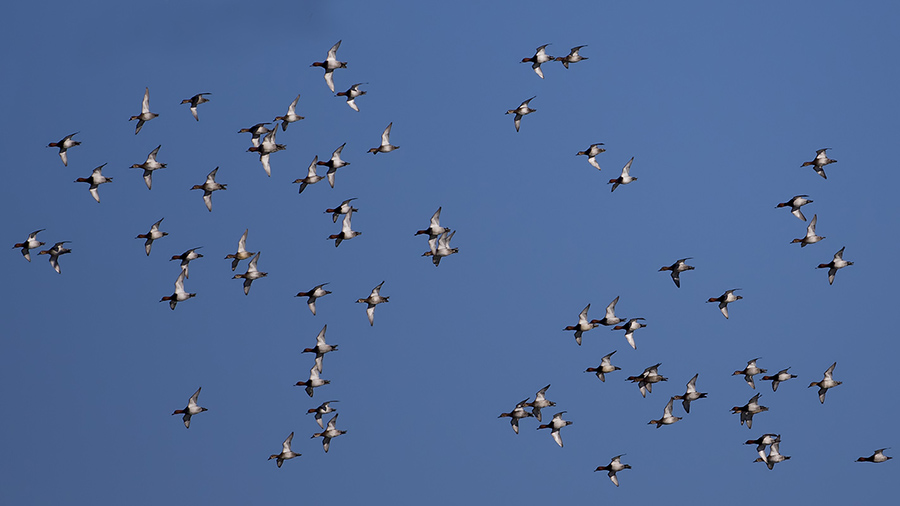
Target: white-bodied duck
(30, 244)
(750, 371)
(351, 95)
(186, 258)
(592, 153)
(677, 268)
(691, 394)
(286, 452)
(725, 299)
(819, 162)
(313, 382)
(321, 348)
(583, 325)
(63, 146)
(347, 231)
(313, 294)
(334, 164)
(373, 300)
(331, 62)
(517, 414)
(251, 274)
(179, 295)
(191, 410)
(629, 328)
(145, 114)
(572, 57)
(604, 367)
(783, 375)
(209, 187)
(795, 204)
(96, 179)
(149, 166)
(615, 465)
(624, 178)
(555, 425)
(826, 383)
(242, 253)
(836, 263)
(540, 57)
(152, 235)
(811, 237)
(330, 432)
(290, 116)
(386, 146)
(323, 409)
(521, 111)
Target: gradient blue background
(719, 103)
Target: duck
(624, 178)
(179, 295)
(572, 57)
(145, 114)
(819, 162)
(313, 382)
(750, 371)
(55, 251)
(522, 110)
(783, 375)
(209, 187)
(540, 56)
(311, 176)
(191, 409)
(330, 64)
(64, 144)
(351, 95)
(346, 231)
(96, 179)
(604, 367)
(748, 410)
(434, 230)
(313, 294)
(290, 116)
(266, 148)
(836, 263)
(251, 274)
(186, 258)
(592, 153)
(629, 327)
(334, 164)
(323, 409)
(667, 418)
(330, 432)
(811, 237)
(610, 318)
(677, 268)
(690, 395)
(286, 452)
(30, 244)
(242, 253)
(615, 465)
(774, 456)
(256, 131)
(199, 98)
(149, 166)
(321, 348)
(725, 299)
(762, 442)
(386, 146)
(583, 324)
(152, 235)
(877, 457)
(517, 414)
(344, 208)
(555, 425)
(443, 248)
(826, 383)
(540, 402)
(796, 202)
(647, 378)
(373, 300)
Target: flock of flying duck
(263, 143)
(651, 374)
(439, 247)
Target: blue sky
(719, 104)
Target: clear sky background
(718, 103)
